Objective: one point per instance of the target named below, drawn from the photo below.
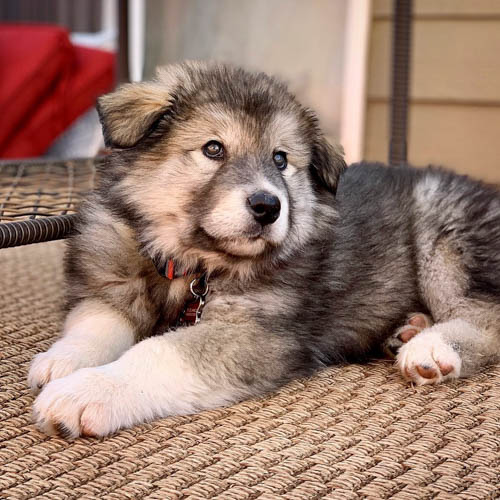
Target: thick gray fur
(381, 242)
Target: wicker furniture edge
(39, 198)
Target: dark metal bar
(401, 53)
(123, 42)
(36, 230)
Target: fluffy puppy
(220, 181)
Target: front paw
(57, 362)
(89, 402)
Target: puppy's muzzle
(264, 207)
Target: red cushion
(74, 94)
(32, 58)
(88, 74)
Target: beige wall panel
(302, 42)
(439, 7)
(451, 60)
(462, 138)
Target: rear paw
(414, 324)
(428, 359)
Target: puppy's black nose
(265, 207)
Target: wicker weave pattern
(349, 432)
(38, 199)
(31, 190)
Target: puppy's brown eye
(213, 150)
(279, 159)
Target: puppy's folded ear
(327, 163)
(129, 113)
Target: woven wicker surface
(350, 432)
(34, 189)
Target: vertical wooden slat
(81, 15)
(63, 12)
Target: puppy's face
(230, 179)
(217, 165)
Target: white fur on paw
(57, 362)
(428, 359)
(89, 402)
(94, 334)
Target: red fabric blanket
(46, 84)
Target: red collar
(169, 269)
(193, 308)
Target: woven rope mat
(349, 432)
